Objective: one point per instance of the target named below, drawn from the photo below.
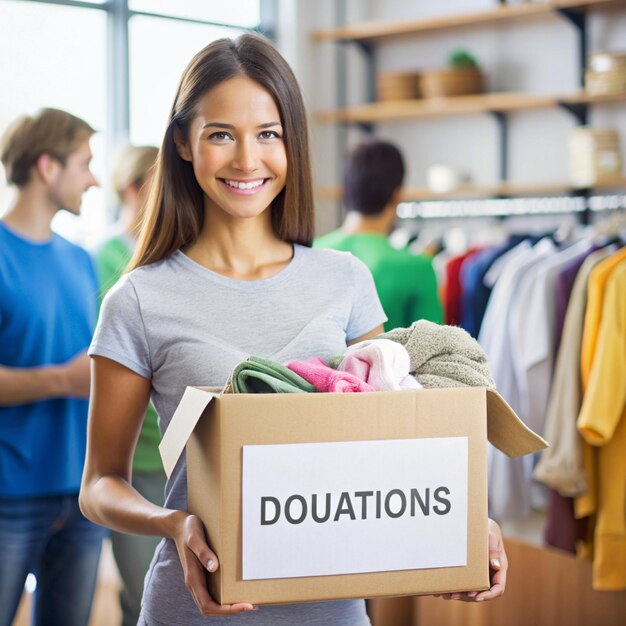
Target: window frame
(118, 56)
(117, 59)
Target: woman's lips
(244, 187)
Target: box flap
(184, 420)
(506, 431)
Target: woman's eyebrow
(231, 127)
(218, 125)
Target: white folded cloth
(382, 363)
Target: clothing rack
(580, 205)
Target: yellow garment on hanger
(593, 312)
(585, 504)
(602, 423)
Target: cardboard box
(327, 496)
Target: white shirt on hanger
(509, 479)
(531, 323)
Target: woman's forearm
(110, 501)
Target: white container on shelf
(441, 178)
(594, 155)
(606, 73)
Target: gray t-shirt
(178, 324)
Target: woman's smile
(244, 187)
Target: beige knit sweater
(443, 356)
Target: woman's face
(237, 150)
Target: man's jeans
(50, 538)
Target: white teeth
(241, 185)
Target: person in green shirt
(406, 283)
(133, 553)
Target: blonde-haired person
(48, 307)
(224, 269)
(133, 553)
(130, 182)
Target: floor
(105, 611)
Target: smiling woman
(239, 159)
(228, 225)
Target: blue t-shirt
(48, 304)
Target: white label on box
(318, 509)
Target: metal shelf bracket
(579, 111)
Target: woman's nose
(246, 159)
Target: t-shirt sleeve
(425, 303)
(367, 311)
(120, 334)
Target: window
(59, 53)
(245, 13)
(155, 69)
(42, 67)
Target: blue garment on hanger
(475, 294)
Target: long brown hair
(175, 207)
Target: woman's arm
(118, 402)
(372, 333)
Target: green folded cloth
(259, 375)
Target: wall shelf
(585, 98)
(369, 35)
(459, 105)
(472, 192)
(378, 30)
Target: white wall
(315, 66)
(535, 56)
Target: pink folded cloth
(382, 363)
(324, 378)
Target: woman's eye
(269, 134)
(220, 135)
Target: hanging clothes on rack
(509, 483)
(563, 289)
(560, 467)
(602, 423)
(537, 305)
(532, 320)
(586, 504)
(475, 293)
(452, 303)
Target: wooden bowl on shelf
(451, 82)
(397, 85)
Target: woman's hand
(498, 566)
(197, 559)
